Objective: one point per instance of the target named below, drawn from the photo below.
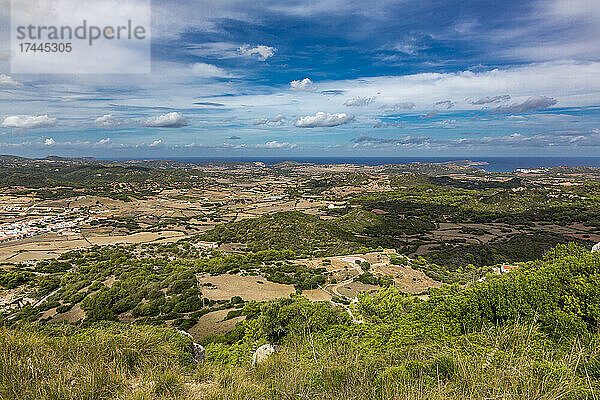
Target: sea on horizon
(489, 164)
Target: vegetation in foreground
(532, 333)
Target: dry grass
(119, 362)
(511, 366)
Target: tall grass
(94, 363)
(115, 361)
(510, 363)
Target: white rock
(198, 351)
(262, 353)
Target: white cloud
(493, 99)
(572, 84)
(262, 51)
(49, 142)
(156, 143)
(387, 124)
(261, 121)
(555, 139)
(555, 30)
(133, 57)
(303, 85)
(108, 121)
(447, 104)
(277, 120)
(407, 48)
(169, 120)
(359, 101)
(8, 81)
(203, 70)
(322, 119)
(531, 104)
(407, 141)
(276, 145)
(391, 108)
(28, 121)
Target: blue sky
(329, 78)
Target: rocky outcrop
(198, 351)
(262, 353)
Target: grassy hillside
(530, 334)
(100, 362)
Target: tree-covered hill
(302, 233)
(519, 247)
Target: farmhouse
(507, 268)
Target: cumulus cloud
(156, 143)
(169, 120)
(28, 121)
(262, 51)
(487, 100)
(359, 101)
(276, 145)
(322, 119)
(303, 85)
(447, 104)
(8, 82)
(82, 146)
(279, 118)
(108, 121)
(531, 104)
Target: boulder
(198, 351)
(262, 353)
